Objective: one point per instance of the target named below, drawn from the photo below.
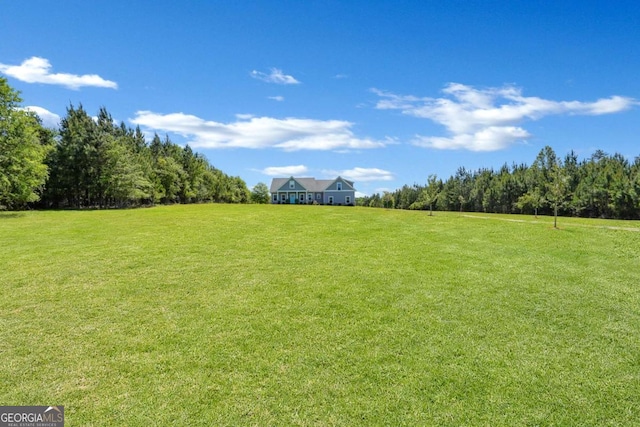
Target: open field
(309, 315)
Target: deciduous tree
(24, 145)
(260, 193)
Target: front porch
(294, 197)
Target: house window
(347, 200)
(292, 184)
(339, 186)
(310, 197)
(283, 197)
(275, 197)
(330, 200)
(319, 196)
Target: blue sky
(381, 92)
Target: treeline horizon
(601, 186)
(94, 163)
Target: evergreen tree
(71, 168)
(428, 195)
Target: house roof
(310, 184)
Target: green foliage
(24, 145)
(125, 179)
(375, 201)
(428, 195)
(219, 315)
(260, 193)
(405, 197)
(388, 201)
(604, 186)
(557, 189)
(100, 164)
(531, 201)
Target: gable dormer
(340, 184)
(292, 184)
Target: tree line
(601, 186)
(95, 163)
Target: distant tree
(24, 145)
(72, 166)
(240, 192)
(171, 176)
(388, 201)
(556, 180)
(606, 186)
(506, 190)
(462, 188)
(125, 181)
(557, 189)
(260, 193)
(406, 196)
(432, 192)
(375, 201)
(483, 194)
(533, 199)
(362, 201)
(428, 195)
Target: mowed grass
(307, 315)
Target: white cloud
(361, 174)
(275, 76)
(488, 119)
(289, 134)
(492, 138)
(285, 170)
(277, 98)
(49, 119)
(38, 70)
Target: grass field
(307, 315)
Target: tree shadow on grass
(7, 215)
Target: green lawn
(309, 315)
